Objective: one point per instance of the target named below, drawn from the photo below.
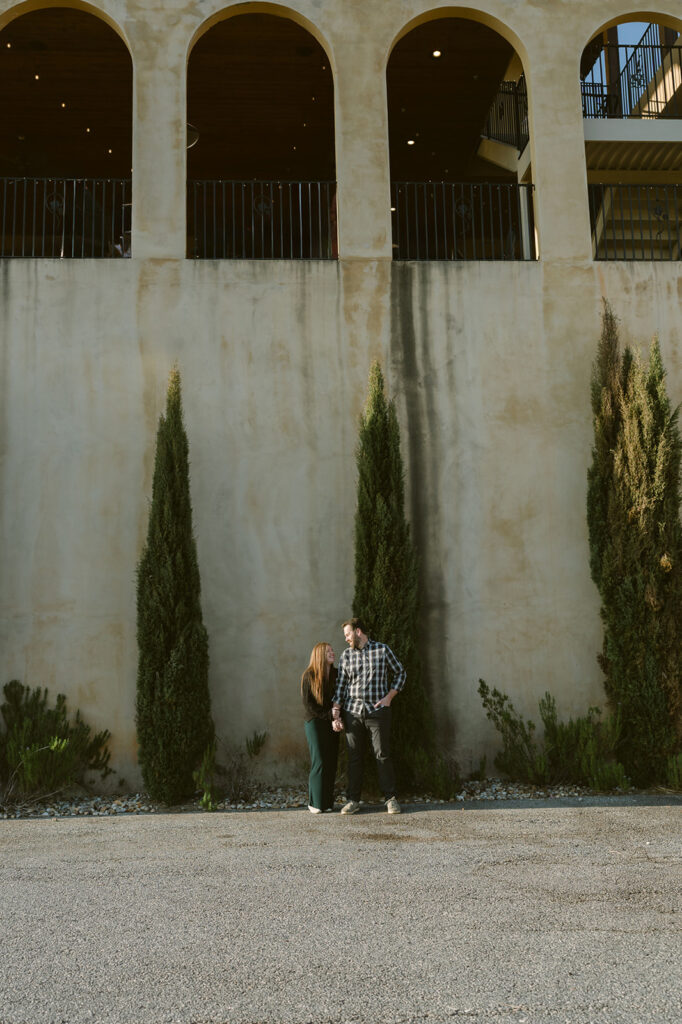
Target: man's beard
(355, 643)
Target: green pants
(324, 748)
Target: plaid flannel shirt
(364, 677)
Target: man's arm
(399, 677)
(399, 673)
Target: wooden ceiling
(260, 93)
(82, 63)
(442, 102)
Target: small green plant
(42, 752)
(255, 743)
(520, 757)
(233, 778)
(581, 751)
(204, 778)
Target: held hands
(337, 722)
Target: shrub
(174, 724)
(520, 757)
(578, 752)
(41, 751)
(386, 587)
(633, 515)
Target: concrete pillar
(362, 167)
(558, 151)
(159, 154)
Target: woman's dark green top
(311, 707)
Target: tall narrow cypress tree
(174, 724)
(633, 513)
(386, 591)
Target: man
(363, 695)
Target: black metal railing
(65, 218)
(261, 220)
(635, 222)
(647, 84)
(508, 116)
(444, 220)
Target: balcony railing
(443, 220)
(65, 218)
(646, 86)
(261, 220)
(635, 222)
(508, 116)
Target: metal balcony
(65, 218)
(261, 220)
(443, 220)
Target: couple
(357, 700)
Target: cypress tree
(174, 724)
(386, 590)
(633, 513)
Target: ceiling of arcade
(260, 95)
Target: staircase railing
(635, 222)
(648, 85)
(507, 119)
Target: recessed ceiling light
(9, 46)
(63, 105)
(36, 77)
(436, 53)
(109, 151)
(410, 142)
(393, 209)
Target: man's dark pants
(378, 725)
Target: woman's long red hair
(317, 671)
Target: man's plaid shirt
(364, 677)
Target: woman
(318, 683)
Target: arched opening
(631, 84)
(458, 136)
(260, 161)
(66, 87)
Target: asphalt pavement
(527, 913)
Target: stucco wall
(490, 365)
(494, 406)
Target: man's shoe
(352, 807)
(314, 810)
(392, 806)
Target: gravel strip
(282, 798)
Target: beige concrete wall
(490, 364)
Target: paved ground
(517, 913)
